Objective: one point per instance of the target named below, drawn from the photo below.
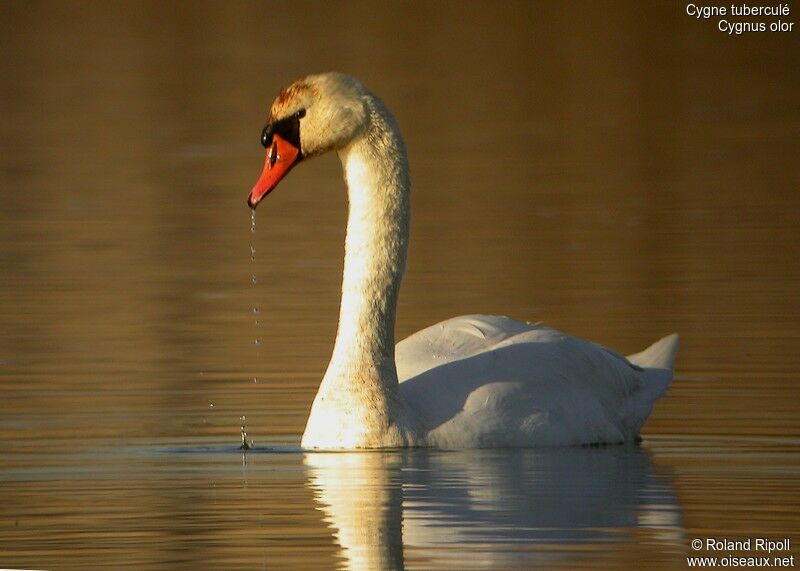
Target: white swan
(468, 382)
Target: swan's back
(488, 381)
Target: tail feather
(659, 355)
(657, 363)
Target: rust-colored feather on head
(289, 98)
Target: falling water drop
(246, 444)
(256, 310)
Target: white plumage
(484, 380)
(468, 382)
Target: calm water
(617, 170)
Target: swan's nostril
(272, 155)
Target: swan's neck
(359, 397)
(376, 172)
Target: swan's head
(314, 115)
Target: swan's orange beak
(281, 157)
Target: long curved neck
(378, 185)
(359, 404)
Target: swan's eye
(287, 128)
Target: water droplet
(256, 311)
(246, 445)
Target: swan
(474, 381)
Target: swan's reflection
(489, 508)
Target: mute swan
(468, 382)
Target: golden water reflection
(495, 505)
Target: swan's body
(473, 381)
